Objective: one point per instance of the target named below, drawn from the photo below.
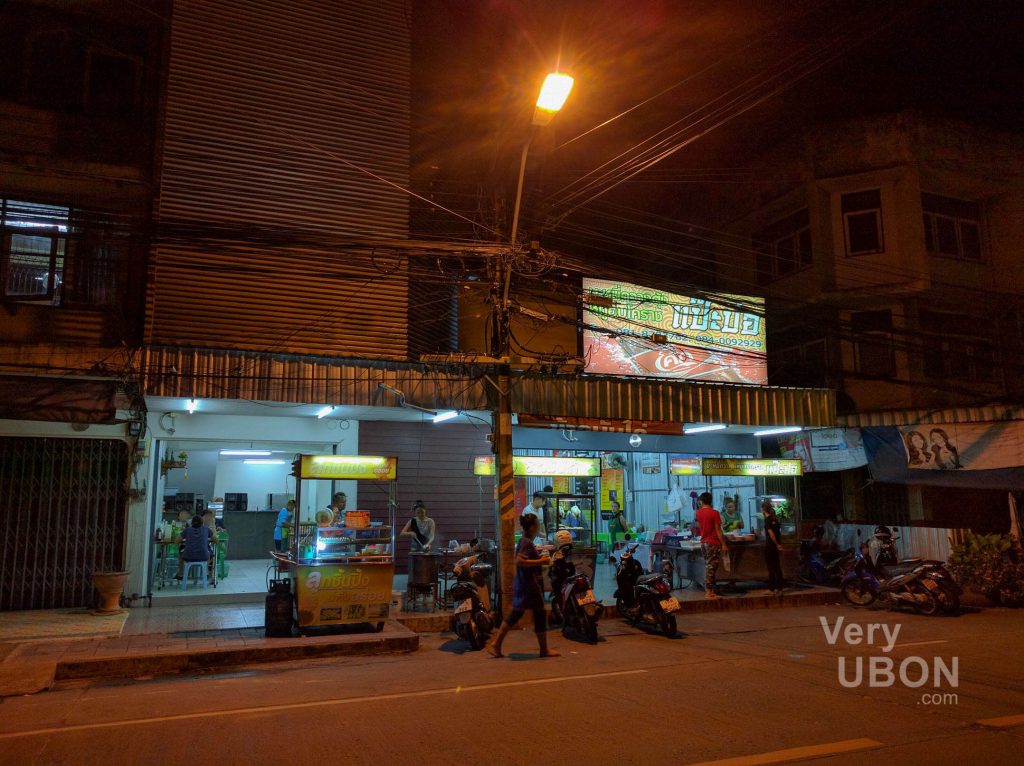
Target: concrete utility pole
(552, 96)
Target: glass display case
(343, 544)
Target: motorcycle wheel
(928, 606)
(590, 628)
(668, 625)
(620, 607)
(476, 641)
(857, 593)
(949, 599)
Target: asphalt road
(746, 684)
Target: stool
(413, 594)
(189, 566)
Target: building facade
(889, 251)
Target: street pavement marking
(797, 753)
(1005, 722)
(316, 703)
(920, 643)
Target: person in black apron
(420, 528)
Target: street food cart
(342, 574)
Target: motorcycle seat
(649, 577)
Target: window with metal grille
(784, 247)
(952, 227)
(55, 255)
(955, 348)
(34, 247)
(874, 355)
(862, 222)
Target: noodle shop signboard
(365, 467)
(720, 340)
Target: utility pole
(552, 96)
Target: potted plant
(110, 586)
(168, 463)
(989, 566)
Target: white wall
(257, 481)
(202, 468)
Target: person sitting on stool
(195, 539)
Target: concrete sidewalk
(162, 640)
(30, 667)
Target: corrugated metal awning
(990, 413)
(216, 374)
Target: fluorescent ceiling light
(773, 431)
(264, 462)
(323, 412)
(699, 429)
(447, 415)
(245, 453)
(192, 406)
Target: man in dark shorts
(527, 590)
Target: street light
(553, 94)
(552, 97)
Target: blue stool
(200, 566)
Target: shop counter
(747, 561)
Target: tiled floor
(245, 576)
(190, 619)
(42, 624)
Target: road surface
(763, 685)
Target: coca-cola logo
(670, 363)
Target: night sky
(477, 67)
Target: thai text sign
(732, 466)
(718, 340)
(684, 466)
(532, 465)
(343, 593)
(348, 467)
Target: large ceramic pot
(110, 586)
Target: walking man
(712, 542)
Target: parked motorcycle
(861, 587)
(471, 596)
(887, 564)
(644, 598)
(572, 594)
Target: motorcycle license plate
(586, 598)
(929, 584)
(670, 605)
(463, 606)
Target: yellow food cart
(342, 574)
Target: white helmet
(563, 537)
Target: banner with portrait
(964, 446)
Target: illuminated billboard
(720, 339)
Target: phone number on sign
(738, 342)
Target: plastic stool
(189, 566)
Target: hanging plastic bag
(674, 501)
(726, 562)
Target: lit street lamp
(552, 97)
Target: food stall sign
(329, 594)
(685, 466)
(731, 466)
(538, 465)
(371, 468)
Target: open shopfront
(657, 492)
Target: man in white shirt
(536, 508)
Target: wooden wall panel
(285, 123)
(435, 466)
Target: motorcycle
(572, 595)
(471, 596)
(644, 598)
(861, 587)
(888, 564)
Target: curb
(177, 661)
(442, 621)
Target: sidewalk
(41, 648)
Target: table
(162, 577)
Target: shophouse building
(889, 251)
